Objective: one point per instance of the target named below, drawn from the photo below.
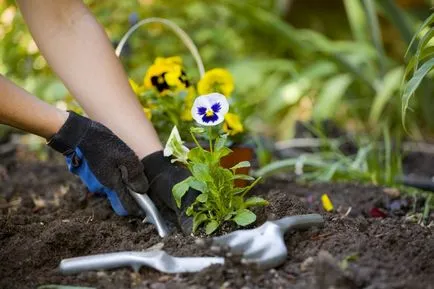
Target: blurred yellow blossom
(136, 88)
(232, 124)
(216, 80)
(166, 74)
(188, 103)
(148, 112)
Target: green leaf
(399, 18)
(236, 191)
(243, 177)
(425, 24)
(244, 164)
(201, 172)
(255, 201)
(180, 189)
(196, 155)
(224, 151)
(244, 217)
(422, 43)
(357, 19)
(198, 220)
(330, 96)
(229, 216)
(276, 167)
(211, 227)
(198, 185)
(237, 203)
(392, 81)
(190, 210)
(411, 86)
(220, 142)
(202, 198)
(371, 15)
(428, 52)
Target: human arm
(21, 110)
(103, 161)
(79, 51)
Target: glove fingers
(134, 179)
(126, 201)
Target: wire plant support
(188, 42)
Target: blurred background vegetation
(341, 60)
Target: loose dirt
(46, 216)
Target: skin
(79, 51)
(22, 110)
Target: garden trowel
(263, 246)
(152, 214)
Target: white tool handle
(158, 260)
(299, 222)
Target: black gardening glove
(162, 176)
(104, 162)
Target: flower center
(209, 113)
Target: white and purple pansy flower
(210, 109)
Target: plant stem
(210, 138)
(195, 140)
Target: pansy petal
(201, 110)
(209, 110)
(215, 98)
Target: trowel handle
(98, 262)
(159, 260)
(299, 222)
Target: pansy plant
(219, 200)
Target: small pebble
(392, 192)
(164, 278)
(158, 286)
(101, 274)
(304, 266)
(216, 249)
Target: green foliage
(420, 64)
(287, 77)
(375, 162)
(220, 201)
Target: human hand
(103, 162)
(163, 176)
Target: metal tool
(158, 260)
(263, 246)
(152, 214)
(425, 184)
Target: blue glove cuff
(78, 165)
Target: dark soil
(353, 250)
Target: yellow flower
(232, 124)
(166, 74)
(216, 80)
(189, 99)
(136, 88)
(174, 60)
(148, 112)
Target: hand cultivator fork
(263, 246)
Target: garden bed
(353, 250)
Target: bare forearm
(78, 50)
(22, 110)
